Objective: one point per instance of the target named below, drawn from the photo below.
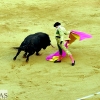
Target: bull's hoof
(38, 54)
(14, 58)
(27, 60)
(24, 56)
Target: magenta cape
(74, 35)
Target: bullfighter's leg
(17, 54)
(31, 53)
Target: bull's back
(27, 40)
(43, 36)
(36, 40)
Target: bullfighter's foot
(73, 63)
(57, 61)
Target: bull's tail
(21, 47)
(16, 47)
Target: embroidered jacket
(61, 33)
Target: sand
(40, 79)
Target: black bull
(33, 43)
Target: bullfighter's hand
(61, 42)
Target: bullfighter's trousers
(62, 47)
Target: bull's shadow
(33, 43)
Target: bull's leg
(17, 54)
(25, 55)
(27, 59)
(37, 52)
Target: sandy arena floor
(40, 79)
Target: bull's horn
(52, 45)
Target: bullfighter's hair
(57, 24)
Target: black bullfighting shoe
(73, 63)
(57, 61)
